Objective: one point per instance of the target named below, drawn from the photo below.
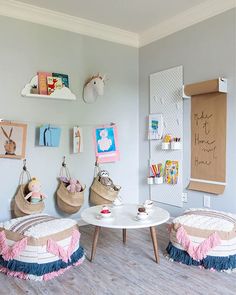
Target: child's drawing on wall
(106, 143)
(77, 140)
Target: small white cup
(158, 180)
(142, 215)
(165, 145)
(150, 180)
(117, 201)
(176, 145)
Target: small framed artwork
(77, 140)
(155, 126)
(49, 136)
(12, 140)
(106, 144)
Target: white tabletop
(124, 216)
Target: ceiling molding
(185, 19)
(38, 15)
(51, 18)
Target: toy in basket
(24, 202)
(70, 194)
(39, 247)
(204, 238)
(102, 190)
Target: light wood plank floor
(123, 270)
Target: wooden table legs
(154, 241)
(153, 235)
(124, 235)
(95, 240)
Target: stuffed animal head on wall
(93, 87)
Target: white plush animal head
(93, 88)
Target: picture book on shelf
(42, 82)
(64, 78)
(53, 84)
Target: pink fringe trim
(199, 252)
(55, 249)
(8, 252)
(54, 274)
(10, 273)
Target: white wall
(27, 48)
(207, 51)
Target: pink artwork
(106, 144)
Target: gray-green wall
(27, 48)
(206, 50)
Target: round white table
(124, 217)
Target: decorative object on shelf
(208, 129)
(49, 136)
(23, 206)
(35, 195)
(70, 193)
(93, 87)
(106, 143)
(77, 140)
(155, 126)
(39, 82)
(12, 140)
(171, 172)
(102, 194)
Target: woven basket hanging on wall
(101, 194)
(68, 202)
(22, 206)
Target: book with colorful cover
(171, 172)
(42, 82)
(53, 83)
(64, 78)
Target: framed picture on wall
(106, 144)
(12, 140)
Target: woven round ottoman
(39, 247)
(204, 238)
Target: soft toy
(74, 186)
(35, 193)
(105, 179)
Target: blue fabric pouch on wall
(49, 136)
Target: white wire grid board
(166, 98)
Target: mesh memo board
(166, 98)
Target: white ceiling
(131, 15)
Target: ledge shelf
(61, 94)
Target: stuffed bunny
(10, 145)
(74, 186)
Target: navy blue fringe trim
(215, 262)
(41, 269)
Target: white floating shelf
(63, 94)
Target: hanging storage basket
(22, 206)
(68, 202)
(101, 194)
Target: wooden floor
(130, 269)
